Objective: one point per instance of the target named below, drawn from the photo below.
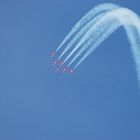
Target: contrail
(131, 22)
(97, 25)
(93, 40)
(90, 37)
(90, 15)
(124, 17)
(103, 36)
(80, 34)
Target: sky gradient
(101, 101)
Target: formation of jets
(61, 66)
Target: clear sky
(101, 101)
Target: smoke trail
(95, 27)
(125, 17)
(134, 38)
(83, 36)
(91, 36)
(105, 35)
(94, 41)
(91, 14)
(81, 33)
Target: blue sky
(100, 101)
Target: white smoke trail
(134, 38)
(91, 36)
(83, 37)
(125, 17)
(105, 35)
(95, 27)
(91, 14)
(81, 33)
